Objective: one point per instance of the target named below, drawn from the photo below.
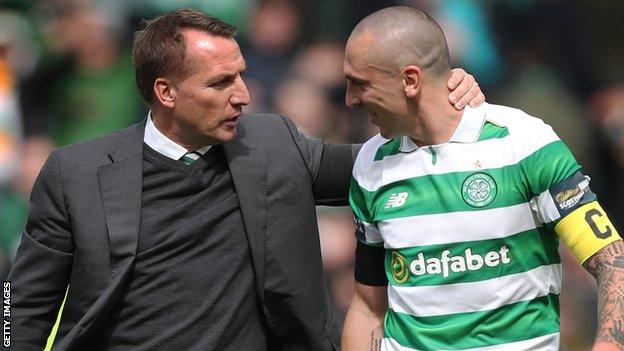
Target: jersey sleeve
(366, 230)
(369, 253)
(551, 172)
(561, 196)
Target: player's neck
(436, 118)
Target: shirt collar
(160, 143)
(468, 130)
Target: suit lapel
(121, 187)
(248, 167)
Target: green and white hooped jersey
(471, 257)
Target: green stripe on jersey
(471, 261)
(392, 147)
(530, 319)
(548, 166)
(442, 193)
(359, 201)
(492, 131)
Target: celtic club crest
(479, 189)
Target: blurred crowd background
(66, 75)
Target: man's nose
(352, 100)
(241, 95)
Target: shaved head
(398, 36)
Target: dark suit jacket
(83, 227)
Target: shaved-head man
(459, 213)
(397, 81)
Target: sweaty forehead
(358, 45)
(357, 52)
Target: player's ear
(411, 75)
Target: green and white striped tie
(190, 157)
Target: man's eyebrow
(351, 77)
(227, 75)
(221, 77)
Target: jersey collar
(468, 130)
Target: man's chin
(221, 137)
(228, 135)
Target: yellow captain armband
(586, 230)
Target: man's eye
(221, 83)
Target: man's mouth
(231, 122)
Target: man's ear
(411, 80)
(165, 92)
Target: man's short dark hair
(159, 48)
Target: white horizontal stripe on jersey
(454, 227)
(475, 296)
(451, 157)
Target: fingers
(465, 90)
(473, 98)
(457, 74)
(479, 98)
(463, 93)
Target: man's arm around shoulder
(329, 166)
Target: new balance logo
(397, 200)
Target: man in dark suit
(192, 230)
